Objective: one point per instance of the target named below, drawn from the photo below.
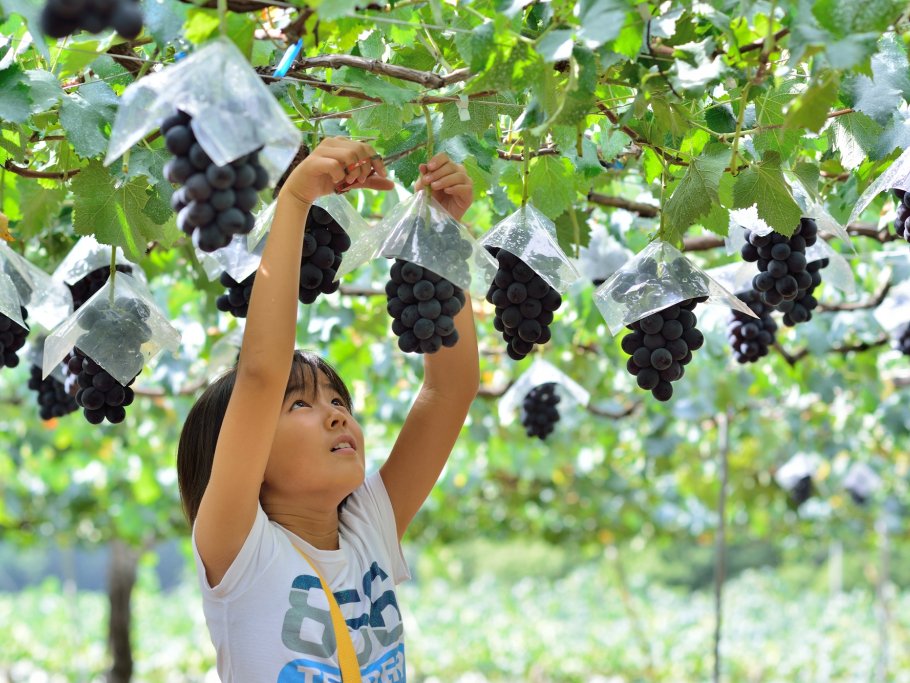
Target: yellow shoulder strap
(347, 658)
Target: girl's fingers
(458, 189)
(376, 182)
(438, 160)
(458, 178)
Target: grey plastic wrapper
(10, 304)
(896, 175)
(261, 227)
(35, 356)
(603, 256)
(420, 231)
(142, 330)
(224, 351)
(800, 465)
(838, 272)
(233, 112)
(48, 301)
(85, 256)
(539, 372)
(235, 259)
(658, 277)
(349, 218)
(815, 210)
(530, 235)
(894, 312)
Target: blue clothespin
(289, 56)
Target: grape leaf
(600, 20)
(696, 193)
(84, 115)
(720, 119)
(39, 207)
(565, 230)
(31, 11)
(550, 184)
(45, 90)
(556, 45)
(15, 102)
(854, 136)
(881, 95)
(113, 213)
(374, 86)
(483, 113)
(385, 118)
(809, 110)
(164, 20)
(476, 46)
(763, 186)
(844, 17)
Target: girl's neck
(318, 528)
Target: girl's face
(318, 453)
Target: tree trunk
(121, 579)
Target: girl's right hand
(327, 166)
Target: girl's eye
(299, 404)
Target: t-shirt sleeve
(258, 550)
(370, 505)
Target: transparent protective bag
(224, 351)
(531, 236)
(862, 481)
(141, 330)
(261, 227)
(602, 257)
(734, 277)
(838, 272)
(349, 218)
(85, 256)
(10, 304)
(420, 231)
(815, 210)
(797, 468)
(539, 372)
(235, 259)
(658, 277)
(896, 175)
(48, 301)
(893, 313)
(35, 356)
(233, 111)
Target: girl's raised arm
(228, 506)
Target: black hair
(199, 436)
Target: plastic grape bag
(797, 468)
(48, 301)
(894, 312)
(88, 255)
(235, 259)
(896, 175)
(35, 356)
(531, 236)
(349, 218)
(734, 277)
(602, 257)
(119, 327)
(658, 277)
(223, 355)
(263, 222)
(10, 304)
(838, 272)
(815, 210)
(233, 111)
(861, 482)
(539, 372)
(420, 231)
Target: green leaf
(855, 136)
(696, 193)
(15, 102)
(476, 46)
(881, 95)
(164, 19)
(335, 9)
(556, 46)
(385, 118)
(601, 20)
(372, 47)
(717, 220)
(844, 17)
(566, 230)
(39, 207)
(550, 184)
(113, 213)
(483, 113)
(84, 115)
(45, 90)
(809, 175)
(809, 110)
(31, 11)
(763, 186)
(720, 119)
(374, 86)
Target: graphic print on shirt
(308, 629)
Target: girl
(271, 465)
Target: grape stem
(526, 174)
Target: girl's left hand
(449, 183)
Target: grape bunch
(750, 337)
(236, 300)
(12, 338)
(423, 306)
(84, 288)
(524, 303)
(61, 18)
(214, 203)
(324, 242)
(661, 345)
(118, 329)
(800, 310)
(539, 414)
(53, 399)
(903, 213)
(802, 490)
(99, 395)
(781, 262)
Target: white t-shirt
(269, 618)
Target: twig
(873, 302)
(708, 242)
(425, 78)
(45, 175)
(644, 210)
(793, 358)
